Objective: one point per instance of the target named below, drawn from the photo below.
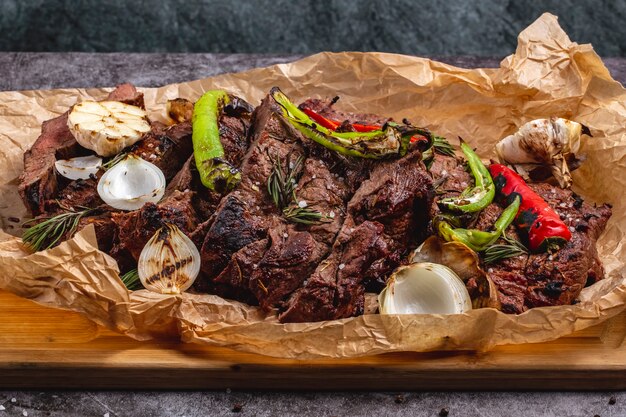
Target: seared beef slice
(253, 249)
(244, 216)
(385, 216)
(546, 279)
(170, 149)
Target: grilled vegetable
(477, 240)
(391, 139)
(465, 263)
(81, 167)
(216, 173)
(131, 183)
(475, 198)
(170, 262)
(538, 223)
(107, 127)
(551, 143)
(424, 288)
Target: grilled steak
(245, 215)
(167, 148)
(537, 279)
(552, 279)
(384, 217)
(171, 150)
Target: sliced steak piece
(39, 181)
(398, 194)
(552, 279)
(335, 289)
(234, 126)
(135, 228)
(127, 93)
(167, 148)
(385, 217)
(245, 214)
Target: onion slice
(79, 168)
(131, 183)
(170, 262)
(424, 288)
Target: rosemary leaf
(131, 280)
(281, 184)
(49, 231)
(303, 215)
(497, 253)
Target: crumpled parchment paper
(547, 76)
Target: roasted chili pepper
(475, 239)
(390, 139)
(215, 172)
(538, 223)
(476, 198)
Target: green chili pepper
(216, 173)
(476, 198)
(391, 139)
(477, 240)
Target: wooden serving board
(48, 348)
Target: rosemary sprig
(113, 161)
(442, 146)
(48, 232)
(131, 280)
(496, 253)
(281, 184)
(303, 215)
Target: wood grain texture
(48, 348)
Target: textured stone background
(421, 27)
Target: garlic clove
(424, 288)
(131, 183)
(552, 143)
(79, 168)
(170, 262)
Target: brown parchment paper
(547, 76)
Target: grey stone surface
(200, 404)
(452, 27)
(28, 71)
(24, 71)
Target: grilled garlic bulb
(131, 183)
(79, 168)
(107, 127)
(424, 288)
(544, 143)
(170, 262)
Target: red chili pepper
(333, 125)
(540, 224)
(321, 120)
